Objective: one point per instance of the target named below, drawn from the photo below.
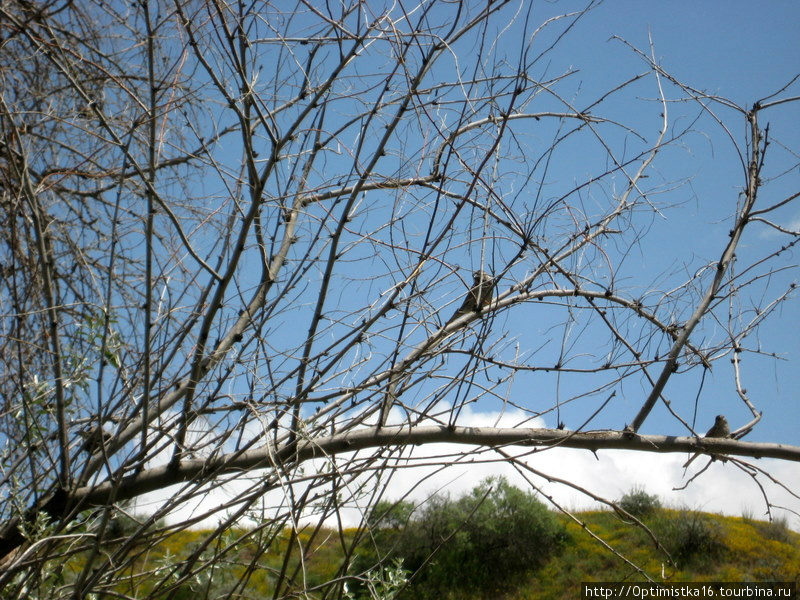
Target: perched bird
(479, 296)
(94, 438)
(720, 429)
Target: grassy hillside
(703, 547)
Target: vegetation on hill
(485, 543)
(497, 541)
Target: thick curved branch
(375, 437)
(397, 436)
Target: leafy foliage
(486, 541)
(249, 570)
(692, 538)
(639, 503)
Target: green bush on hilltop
(484, 542)
(639, 503)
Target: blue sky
(729, 49)
(742, 53)
(735, 50)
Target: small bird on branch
(94, 438)
(720, 429)
(480, 295)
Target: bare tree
(235, 236)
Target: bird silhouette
(480, 295)
(719, 429)
(94, 438)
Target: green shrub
(639, 503)
(693, 539)
(483, 543)
(776, 530)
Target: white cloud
(723, 488)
